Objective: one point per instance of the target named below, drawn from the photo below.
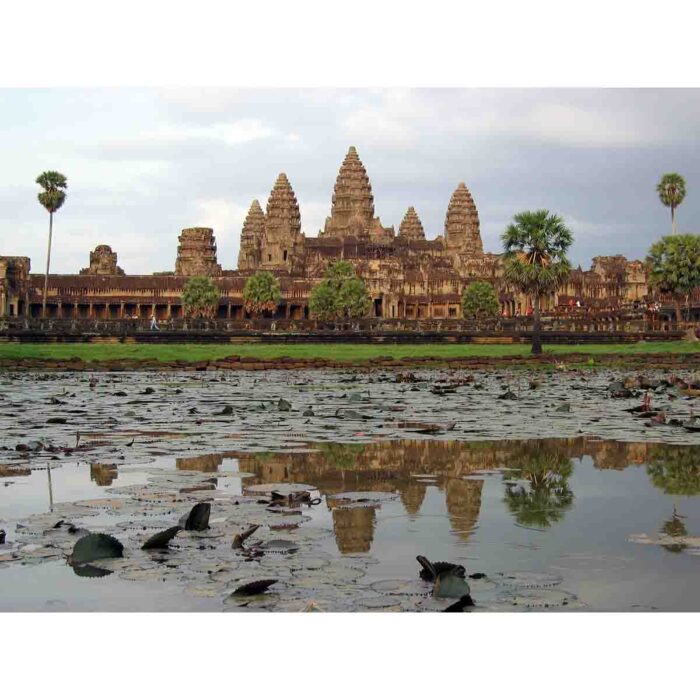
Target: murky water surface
(573, 522)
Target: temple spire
(411, 228)
(352, 210)
(282, 238)
(251, 237)
(462, 223)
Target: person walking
(154, 323)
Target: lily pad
(197, 519)
(161, 539)
(94, 547)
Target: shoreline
(684, 361)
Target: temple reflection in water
(411, 467)
(103, 474)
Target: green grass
(359, 352)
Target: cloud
(143, 164)
(231, 133)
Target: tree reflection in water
(675, 469)
(675, 527)
(546, 496)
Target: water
(573, 509)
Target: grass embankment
(340, 352)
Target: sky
(144, 163)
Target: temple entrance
(378, 308)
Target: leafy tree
(535, 246)
(340, 270)
(322, 301)
(671, 191)
(547, 495)
(479, 300)
(200, 297)
(262, 293)
(353, 300)
(54, 186)
(342, 294)
(674, 267)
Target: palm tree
(671, 190)
(52, 199)
(535, 246)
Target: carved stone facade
(14, 285)
(103, 261)
(408, 275)
(196, 254)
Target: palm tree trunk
(677, 304)
(673, 220)
(48, 263)
(536, 327)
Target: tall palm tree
(54, 185)
(671, 190)
(535, 246)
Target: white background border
(360, 44)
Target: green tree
(322, 301)
(54, 186)
(671, 191)
(342, 294)
(200, 297)
(353, 300)
(535, 246)
(262, 293)
(674, 267)
(546, 496)
(479, 300)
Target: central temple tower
(352, 210)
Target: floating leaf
(161, 539)
(450, 584)
(255, 587)
(96, 546)
(197, 518)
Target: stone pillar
(90, 311)
(228, 310)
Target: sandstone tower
(352, 210)
(196, 253)
(249, 256)
(411, 228)
(283, 241)
(462, 224)
(103, 261)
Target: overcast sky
(142, 164)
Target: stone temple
(409, 275)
